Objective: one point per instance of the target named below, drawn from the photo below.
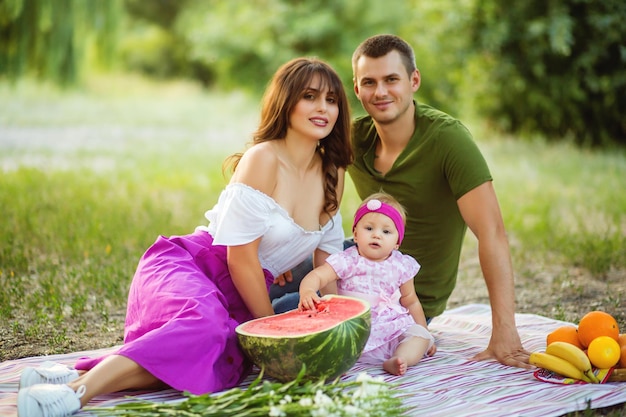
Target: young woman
(190, 292)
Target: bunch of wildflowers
(365, 396)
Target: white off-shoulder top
(242, 214)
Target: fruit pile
(577, 351)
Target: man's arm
(481, 211)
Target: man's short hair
(380, 45)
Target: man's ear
(416, 80)
(356, 86)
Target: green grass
(88, 182)
(89, 179)
(558, 199)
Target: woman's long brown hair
(286, 88)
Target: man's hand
(282, 279)
(506, 349)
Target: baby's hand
(308, 300)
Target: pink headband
(376, 206)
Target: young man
(429, 162)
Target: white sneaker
(48, 400)
(47, 373)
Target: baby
(374, 270)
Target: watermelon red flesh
(328, 341)
(297, 323)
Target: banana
(558, 365)
(575, 356)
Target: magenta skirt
(181, 316)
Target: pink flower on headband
(374, 204)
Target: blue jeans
(286, 302)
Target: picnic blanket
(447, 384)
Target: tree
(244, 43)
(555, 67)
(49, 39)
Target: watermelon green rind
(327, 354)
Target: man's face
(384, 87)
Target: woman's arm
(257, 168)
(319, 256)
(248, 277)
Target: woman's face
(316, 112)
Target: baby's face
(376, 236)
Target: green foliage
(51, 39)
(437, 31)
(152, 46)
(550, 67)
(163, 13)
(555, 67)
(239, 45)
(246, 48)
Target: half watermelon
(327, 341)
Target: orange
(567, 334)
(603, 352)
(595, 324)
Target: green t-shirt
(439, 165)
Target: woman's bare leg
(115, 373)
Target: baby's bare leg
(408, 353)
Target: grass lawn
(90, 178)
